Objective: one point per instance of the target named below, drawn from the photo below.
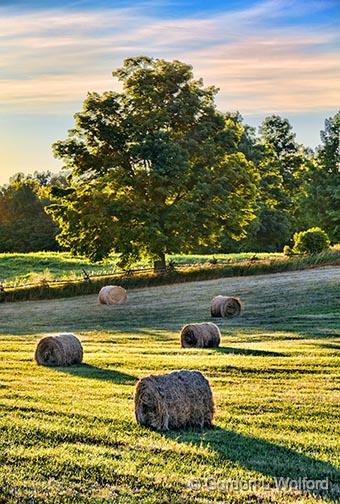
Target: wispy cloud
(259, 63)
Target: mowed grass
(69, 434)
(19, 268)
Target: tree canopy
(282, 165)
(321, 202)
(154, 169)
(24, 225)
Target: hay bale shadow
(249, 351)
(267, 458)
(330, 346)
(268, 371)
(95, 373)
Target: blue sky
(268, 56)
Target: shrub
(288, 251)
(312, 241)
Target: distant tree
(283, 156)
(329, 151)
(24, 225)
(48, 179)
(247, 142)
(154, 169)
(282, 168)
(320, 202)
(269, 231)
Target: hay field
(69, 434)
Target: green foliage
(311, 241)
(207, 271)
(247, 141)
(24, 225)
(270, 230)
(18, 269)
(320, 203)
(329, 152)
(287, 250)
(282, 164)
(154, 169)
(284, 159)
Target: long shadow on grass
(249, 351)
(157, 321)
(330, 346)
(95, 373)
(262, 456)
(270, 371)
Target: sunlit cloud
(270, 56)
(53, 57)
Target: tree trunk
(160, 265)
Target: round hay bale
(112, 294)
(204, 335)
(175, 400)
(62, 350)
(224, 306)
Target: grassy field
(69, 434)
(24, 268)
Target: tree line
(157, 169)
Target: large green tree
(24, 225)
(154, 169)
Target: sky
(266, 56)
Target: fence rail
(87, 277)
(148, 277)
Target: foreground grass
(33, 267)
(69, 434)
